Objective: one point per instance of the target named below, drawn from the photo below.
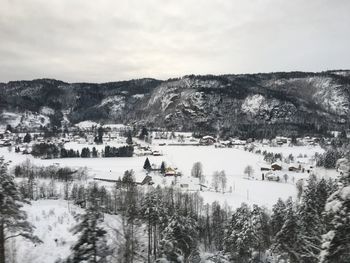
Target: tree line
(49, 151)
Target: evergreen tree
(162, 168)
(336, 241)
(100, 132)
(311, 223)
(179, 240)
(91, 245)
(13, 220)
(144, 133)
(63, 153)
(130, 247)
(94, 152)
(287, 238)
(129, 138)
(147, 165)
(128, 179)
(85, 152)
(218, 221)
(154, 213)
(239, 235)
(261, 229)
(27, 138)
(278, 216)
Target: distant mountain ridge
(230, 104)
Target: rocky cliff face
(209, 103)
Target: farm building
(294, 167)
(281, 140)
(207, 140)
(264, 167)
(170, 172)
(156, 153)
(276, 166)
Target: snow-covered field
(231, 160)
(99, 147)
(52, 221)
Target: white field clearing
(231, 160)
(79, 146)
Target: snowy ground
(99, 147)
(231, 160)
(53, 220)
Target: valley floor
(232, 160)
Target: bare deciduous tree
(197, 171)
(249, 171)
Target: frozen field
(231, 160)
(99, 147)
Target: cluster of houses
(6, 138)
(307, 141)
(278, 141)
(142, 150)
(276, 170)
(210, 140)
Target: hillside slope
(294, 101)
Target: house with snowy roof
(170, 172)
(293, 167)
(264, 167)
(276, 166)
(207, 140)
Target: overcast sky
(107, 40)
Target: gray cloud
(86, 40)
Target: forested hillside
(246, 105)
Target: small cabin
(264, 167)
(293, 167)
(170, 172)
(207, 140)
(276, 167)
(156, 153)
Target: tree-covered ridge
(245, 104)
